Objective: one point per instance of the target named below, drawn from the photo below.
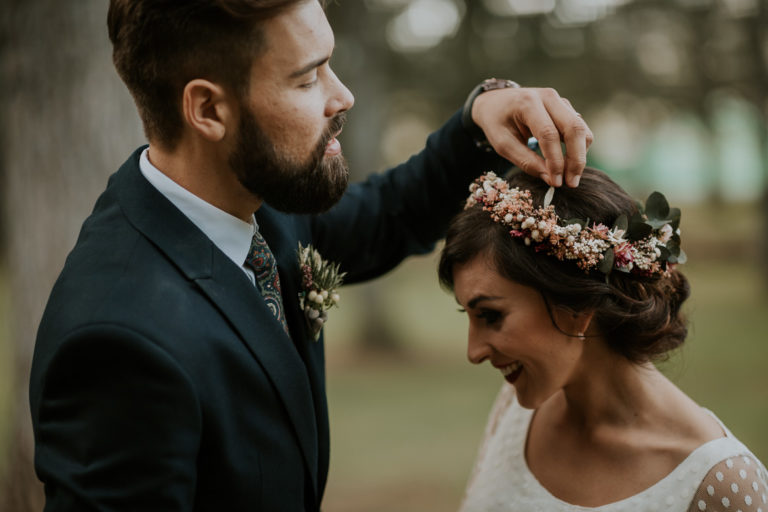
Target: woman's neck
(608, 391)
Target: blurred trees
(672, 57)
(67, 123)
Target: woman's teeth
(510, 368)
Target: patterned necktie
(262, 261)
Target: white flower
(573, 229)
(665, 233)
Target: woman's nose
(477, 349)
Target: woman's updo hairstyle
(638, 316)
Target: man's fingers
(509, 116)
(575, 134)
(541, 124)
(526, 159)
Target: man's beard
(288, 185)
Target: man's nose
(341, 98)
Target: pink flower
(623, 255)
(517, 233)
(600, 229)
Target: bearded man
(175, 368)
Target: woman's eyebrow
(480, 298)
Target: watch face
(497, 83)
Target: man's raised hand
(510, 116)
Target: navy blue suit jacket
(160, 379)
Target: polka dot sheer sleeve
(738, 484)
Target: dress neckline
(688, 465)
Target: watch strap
(469, 124)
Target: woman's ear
(208, 109)
(582, 321)
(575, 324)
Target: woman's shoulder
(737, 482)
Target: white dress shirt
(231, 235)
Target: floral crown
(645, 244)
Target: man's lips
(334, 146)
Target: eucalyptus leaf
(657, 207)
(548, 196)
(657, 223)
(639, 230)
(682, 257)
(673, 247)
(606, 265)
(674, 217)
(638, 217)
(621, 223)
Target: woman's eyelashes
(489, 316)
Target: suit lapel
(281, 233)
(231, 292)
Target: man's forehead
(297, 37)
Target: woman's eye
(489, 316)
(308, 84)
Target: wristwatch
(489, 84)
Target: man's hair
(161, 45)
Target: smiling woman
(573, 316)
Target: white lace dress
(720, 475)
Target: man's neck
(203, 171)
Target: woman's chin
(527, 398)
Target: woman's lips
(511, 371)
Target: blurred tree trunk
(67, 122)
(359, 39)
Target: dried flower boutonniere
(319, 282)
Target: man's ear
(208, 109)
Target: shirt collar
(231, 235)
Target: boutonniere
(319, 281)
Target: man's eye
(308, 85)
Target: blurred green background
(675, 91)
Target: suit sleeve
(405, 210)
(118, 426)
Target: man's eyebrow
(480, 298)
(309, 67)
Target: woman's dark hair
(638, 316)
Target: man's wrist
(469, 124)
